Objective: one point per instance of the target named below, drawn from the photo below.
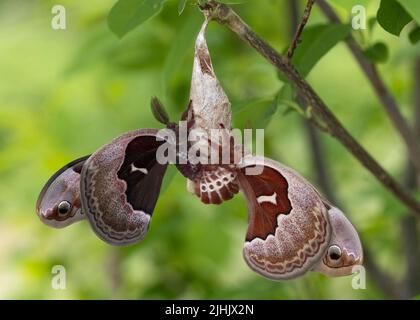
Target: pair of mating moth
(291, 228)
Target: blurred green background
(65, 93)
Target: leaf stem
(299, 29)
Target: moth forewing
(345, 249)
(289, 229)
(120, 185)
(58, 203)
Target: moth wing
(345, 236)
(64, 185)
(288, 230)
(120, 186)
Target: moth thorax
(216, 184)
(217, 147)
(189, 171)
(217, 117)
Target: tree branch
(299, 30)
(226, 16)
(384, 95)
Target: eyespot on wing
(345, 249)
(62, 187)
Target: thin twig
(299, 30)
(226, 16)
(294, 17)
(385, 96)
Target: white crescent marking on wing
(142, 170)
(272, 199)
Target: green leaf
(181, 6)
(316, 41)
(254, 114)
(125, 15)
(286, 100)
(287, 92)
(258, 113)
(168, 178)
(269, 112)
(412, 7)
(372, 23)
(392, 16)
(414, 35)
(282, 77)
(377, 53)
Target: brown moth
(120, 184)
(59, 203)
(291, 228)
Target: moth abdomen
(216, 185)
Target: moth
(291, 228)
(116, 189)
